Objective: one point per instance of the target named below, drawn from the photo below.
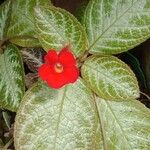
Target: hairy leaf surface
(114, 26)
(125, 124)
(22, 21)
(30, 79)
(11, 78)
(24, 41)
(33, 57)
(110, 78)
(5, 11)
(57, 119)
(57, 28)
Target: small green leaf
(25, 41)
(51, 119)
(11, 78)
(125, 124)
(5, 11)
(110, 78)
(115, 26)
(57, 27)
(22, 21)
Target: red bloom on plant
(59, 69)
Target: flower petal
(57, 81)
(44, 71)
(71, 74)
(51, 57)
(66, 57)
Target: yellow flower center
(58, 68)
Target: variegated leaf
(110, 78)
(25, 41)
(51, 119)
(5, 11)
(125, 124)
(11, 78)
(57, 27)
(22, 22)
(114, 26)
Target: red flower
(59, 69)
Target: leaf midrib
(118, 18)
(52, 26)
(121, 128)
(101, 121)
(59, 117)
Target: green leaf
(110, 78)
(22, 21)
(56, 119)
(11, 78)
(115, 26)
(125, 124)
(57, 27)
(25, 41)
(5, 10)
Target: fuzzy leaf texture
(33, 57)
(30, 79)
(56, 119)
(11, 78)
(5, 11)
(57, 28)
(125, 125)
(115, 26)
(110, 78)
(22, 28)
(25, 41)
